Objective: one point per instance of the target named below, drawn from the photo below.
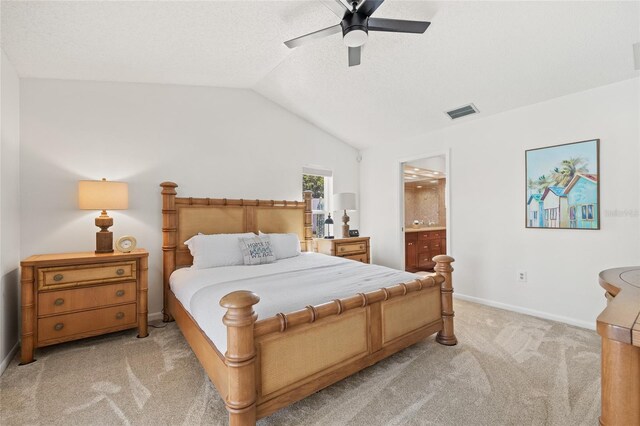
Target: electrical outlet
(521, 276)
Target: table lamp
(345, 201)
(328, 222)
(103, 195)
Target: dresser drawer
(358, 257)
(424, 261)
(351, 248)
(57, 302)
(424, 247)
(432, 235)
(65, 276)
(81, 324)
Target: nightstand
(71, 296)
(356, 248)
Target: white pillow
(210, 251)
(256, 250)
(284, 245)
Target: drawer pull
(341, 248)
(361, 247)
(120, 293)
(120, 315)
(120, 271)
(409, 244)
(59, 326)
(59, 301)
(58, 277)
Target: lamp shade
(103, 195)
(344, 201)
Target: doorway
(424, 210)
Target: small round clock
(126, 244)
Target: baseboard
(527, 311)
(155, 316)
(9, 357)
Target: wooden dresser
(356, 248)
(421, 246)
(619, 327)
(70, 296)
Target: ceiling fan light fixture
(356, 22)
(355, 37)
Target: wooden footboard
(279, 360)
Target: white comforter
(283, 286)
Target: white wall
(487, 169)
(212, 142)
(9, 209)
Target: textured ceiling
(498, 55)
(209, 43)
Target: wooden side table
(71, 296)
(619, 327)
(356, 248)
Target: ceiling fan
(356, 24)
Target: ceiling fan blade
(337, 7)
(299, 41)
(398, 25)
(369, 6)
(354, 56)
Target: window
(584, 212)
(319, 182)
(573, 223)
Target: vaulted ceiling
(498, 55)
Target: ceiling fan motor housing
(355, 29)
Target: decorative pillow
(284, 245)
(210, 251)
(256, 250)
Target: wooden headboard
(184, 217)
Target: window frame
(327, 176)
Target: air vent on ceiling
(462, 111)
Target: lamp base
(345, 226)
(104, 237)
(104, 242)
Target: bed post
(308, 229)
(443, 267)
(240, 357)
(168, 243)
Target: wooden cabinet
(619, 327)
(411, 251)
(350, 248)
(75, 295)
(421, 247)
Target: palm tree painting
(562, 186)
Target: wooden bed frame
(276, 361)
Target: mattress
(283, 286)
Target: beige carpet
(507, 369)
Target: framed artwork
(562, 186)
